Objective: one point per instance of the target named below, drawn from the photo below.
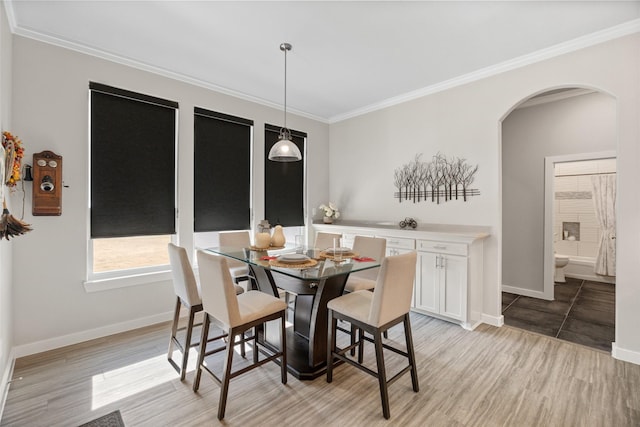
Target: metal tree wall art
(441, 179)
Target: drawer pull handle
(439, 247)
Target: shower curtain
(604, 200)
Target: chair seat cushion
(356, 305)
(357, 283)
(255, 304)
(238, 271)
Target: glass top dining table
(315, 280)
(325, 265)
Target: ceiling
(347, 57)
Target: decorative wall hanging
(441, 179)
(12, 152)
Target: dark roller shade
(222, 174)
(133, 139)
(283, 182)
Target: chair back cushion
(218, 292)
(371, 247)
(239, 239)
(184, 281)
(394, 288)
(325, 240)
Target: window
(222, 172)
(133, 163)
(284, 182)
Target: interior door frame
(549, 211)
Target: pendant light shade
(285, 150)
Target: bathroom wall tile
(571, 195)
(565, 217)
(566, 247)
(587, 249)
(584, 183)
(576, 206)
(588, 219)
(588, 234)
(567, 183)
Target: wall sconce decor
(441, 179)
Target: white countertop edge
(423, 231)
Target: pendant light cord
(285, 84)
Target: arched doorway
(548, 128)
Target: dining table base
(307, 337)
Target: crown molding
(592, 39)
(56, 41)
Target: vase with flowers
(331, 213)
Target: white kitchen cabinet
(449, 270)
(442, 289)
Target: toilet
(561, 262)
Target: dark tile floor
(582, 312)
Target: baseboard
(493, 320)
(523, 292)
(7, 374)
(57, 342)
(625, 355)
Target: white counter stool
(325, 240)
(237, 314)
(187, 295)
(372, 247)
(240, 239)
(375, 312)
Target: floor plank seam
(573, 301)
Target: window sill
(98, 285)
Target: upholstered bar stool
(325, 240)
(375, 312)
(371, 247)
(187, 295)
(237, 314)
(240, 239)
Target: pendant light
(285, 150)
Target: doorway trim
(549, 214)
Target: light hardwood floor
(488, 377)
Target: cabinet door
(453, 286)
(428, 294)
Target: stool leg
(382, 376)
(174, 332)
(224, 384)
(283, 347)
(411, 353)
(331, 345)
(203, 349)
(187, 344)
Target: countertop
(423, 231)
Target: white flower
(330, 211)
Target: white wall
(50, 111)
(580, 124)
(6, 323)
(466, 121)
